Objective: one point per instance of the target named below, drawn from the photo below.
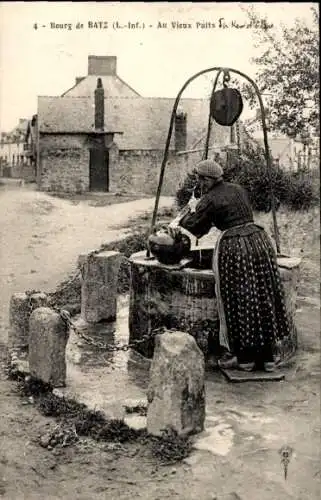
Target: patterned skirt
(250, 293)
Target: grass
(75, 420)
(98, 199)
(67, 295)
(170, 448)
(164, 216)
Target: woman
(249, 291)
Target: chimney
(99, 106)
(180, 130)
(79, 79)
(102, 65)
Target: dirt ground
(41, 238)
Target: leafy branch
(288, 70)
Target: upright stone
(19, 312)
(99, 286)
(176, 392)
(48, 337)
(21, 306)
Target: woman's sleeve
(200, 222)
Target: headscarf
(209, 168)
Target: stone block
(48, 337)
(19, 312)
(99, 286)
(21, 306)
(176, 392)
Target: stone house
(13, 157)
(101, 135)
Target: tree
(288, 70)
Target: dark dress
(251, 292)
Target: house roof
(65, 114)
(20, 128)
(144, 122)
(113, 85)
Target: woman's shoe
(246, 367)
(228, 361)
(269, 366)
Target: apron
(221, 314)
(223, 334)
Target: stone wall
(24, 171)
(64, 166)
(138, 171)
(63, 163)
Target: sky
(154, 61)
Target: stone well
(184, 299)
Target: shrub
(133, 243)
(294, 190)
(184, 192)
(303, 191)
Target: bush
(303, 191)
(294, 190)
(184, 192)
(133, 243)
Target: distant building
(14, 158)
(102, 135)
(288, 152)
(11, 144)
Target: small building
(11, 144)
(101, 135)
(288, 152)
(13, 156)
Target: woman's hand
(192, 204)
(174, 232)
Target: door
(99, 170)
